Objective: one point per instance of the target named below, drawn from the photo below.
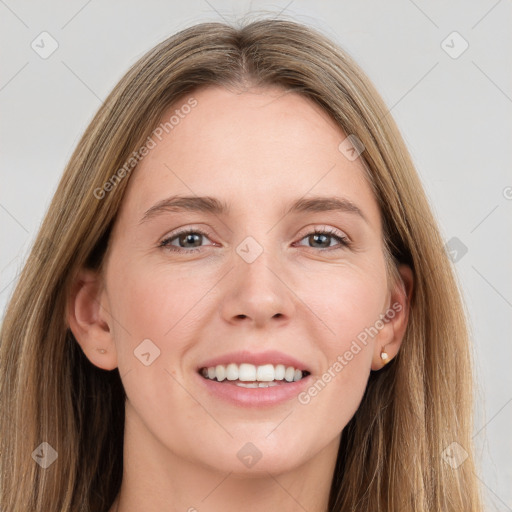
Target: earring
(101, 350)
(385, 357)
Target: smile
(252, 376)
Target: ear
(89, 319)
(389, 338)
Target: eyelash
(343, 241)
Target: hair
(391, 452)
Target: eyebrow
(212, 205)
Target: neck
(154, 478)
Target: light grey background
(454, 113)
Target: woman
(307, 351)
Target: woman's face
(249, 279)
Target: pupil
(189, 237)
(315, 237)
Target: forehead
(260, 148)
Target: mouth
(254, 379)
(248, 375)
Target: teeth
(255, 376)
(220, 372)
(231, 372)
(265, 373)
(279, 372)
(256, 384)
(247, 384)
(247, 372)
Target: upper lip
(256, 358)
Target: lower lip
(254, 397)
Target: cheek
(347, 301)
(158, 312)
(156, 303)
(155, 314)
(334, 396)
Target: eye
(189, 240)
(325, 236)
(184, 238)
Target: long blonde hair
(391, 456)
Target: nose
(258, 293)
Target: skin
(265, 149)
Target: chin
(255, 458)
